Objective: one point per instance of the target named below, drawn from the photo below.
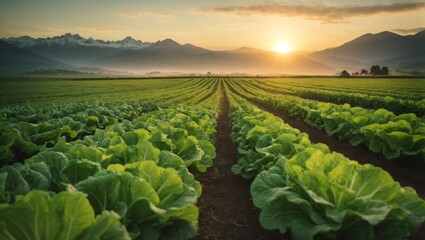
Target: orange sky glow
(218, 25)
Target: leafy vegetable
(313, 193)
(64, 216)
(335, 198)
(150, 199)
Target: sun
(283, 47)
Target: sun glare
(283, 47)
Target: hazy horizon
(218, 25)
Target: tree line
(375, 70)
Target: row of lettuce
(398, 88)
(304, 189)
(380, 130)
(135, 175)
(397, 104)
(26, 129)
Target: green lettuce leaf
(37, 216)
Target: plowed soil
(226, 209)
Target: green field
(181, 158)
(41, 91)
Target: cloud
(137, 15)
(409, 30)
(323, 13)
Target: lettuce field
(212, 158)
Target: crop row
(304, 189)
(25, 130)
(396, 88)
(191, 95)
(396, 105)
(136, 175)
(380, 130)
(41, 93)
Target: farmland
(212, 158)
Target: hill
(385, 48)
(14, 59)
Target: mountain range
(385, 48)
(70, 51)
(73, 49)
(14, 59)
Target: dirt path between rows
(226, 209)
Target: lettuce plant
(324, 194)
(65, 216)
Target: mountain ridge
(130, 54)
(14, 59)
(373, 49)
(76, 39)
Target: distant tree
(344, 74)
(364, 72)
(385, 70)
(375, 70)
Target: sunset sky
(306, 25)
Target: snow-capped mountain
(75, 40)
(74, 49)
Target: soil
(226, 209)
